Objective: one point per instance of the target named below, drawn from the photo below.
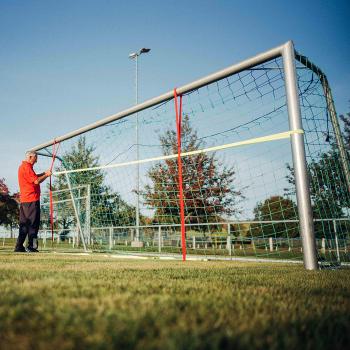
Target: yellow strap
(273, 137)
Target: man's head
(31, 157)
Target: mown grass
(58, 301)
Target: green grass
(98, 302)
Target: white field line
(178, 257)
(132, 257)
(65, 253)
(191, 257)
(150, 256)
(273, 137)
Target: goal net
(71, 206)
(239, 171)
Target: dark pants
(29, 221)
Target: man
(29, 211)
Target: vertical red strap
(178, 112)
(54, 152)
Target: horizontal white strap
(273, 137)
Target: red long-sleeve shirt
(29, 191)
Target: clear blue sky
(64, 64)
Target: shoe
(20, 249)
(32, 250)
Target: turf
(99, 302)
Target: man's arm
(42, 177)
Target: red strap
(54, 152)
(178, 111)
(55, 148)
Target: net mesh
(239, 200)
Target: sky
(64, 64)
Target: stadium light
(144, 50)
(138, 53)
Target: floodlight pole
(299, 160)
(135, 56)
(137, 150)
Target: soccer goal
(248, 162)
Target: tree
(276, 208)
(328, 187)
(107, 206)
(208, 187)
(8, 206)
(4, 190)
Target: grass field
(54, 301)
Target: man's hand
(43, 176)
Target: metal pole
(88, 213)
(229, 240)
(160, 239)
(137, 155)
(110, 238)
(336, 239)
(299, 160)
